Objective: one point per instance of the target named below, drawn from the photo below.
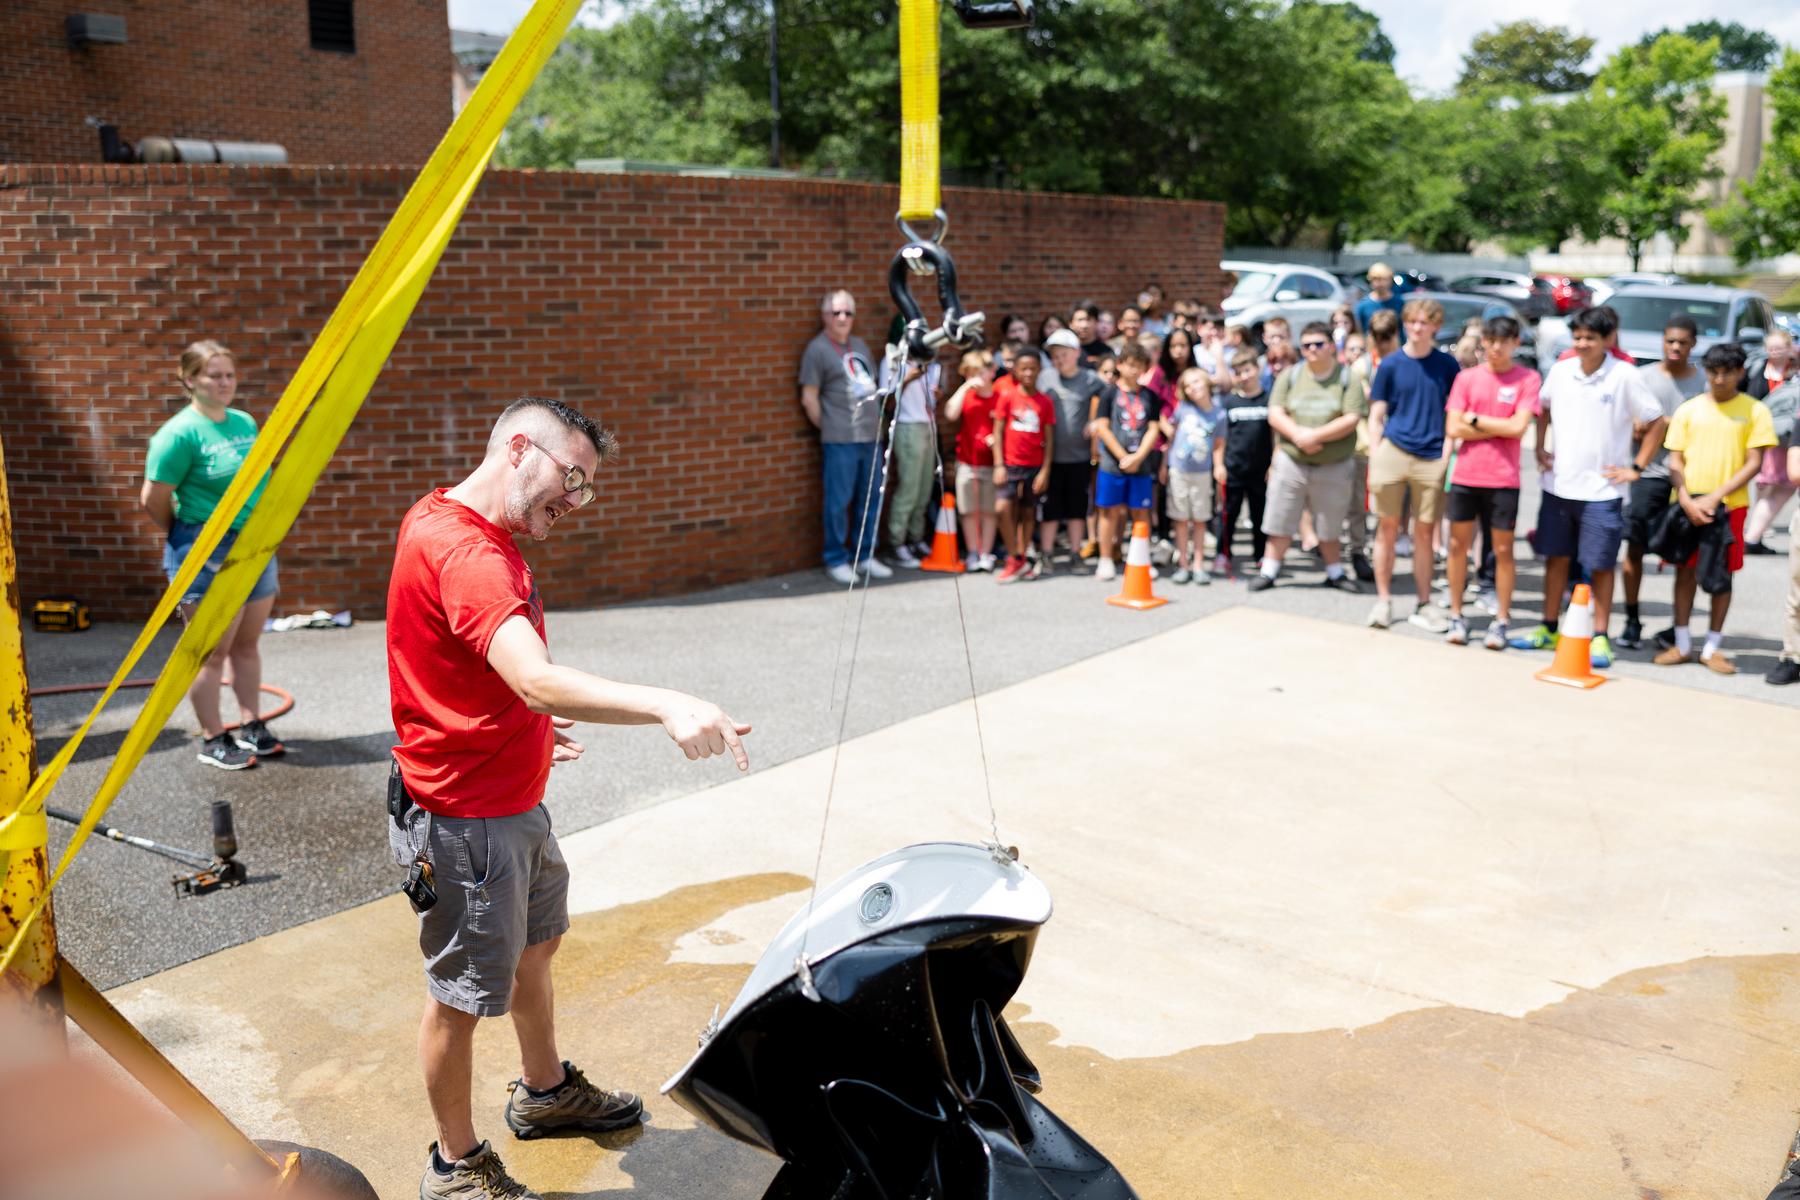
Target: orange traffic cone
(1136, 593)
(943, 556)
(1572, 667)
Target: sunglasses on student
(843, 312)
(1314, 345)
(574, 479)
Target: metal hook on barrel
(959, 328)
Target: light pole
(774, 84)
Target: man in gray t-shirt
(1672, 381)
(837, 392)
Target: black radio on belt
(420, 888)
(60, 614)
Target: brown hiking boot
(577, 1104)
(480, 1176)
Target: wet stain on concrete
(1667, 1083)
(1676, 1081)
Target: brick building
(331, 81)
(674, 308)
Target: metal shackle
(962, 329)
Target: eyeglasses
(574, 479)
(1314, 345)
(842, 312)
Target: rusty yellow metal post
(24, 855)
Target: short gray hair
(825, 304)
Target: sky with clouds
(1429, 39)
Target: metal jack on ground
(222, 870)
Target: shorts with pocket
(1645, 504)
(1018, 483)
(1324, 489)
(1066, 499)
(1589, 531)
(1190, 495)
(1136, 492)
(1499, 507)
(1392, 470)
(502, 885)
(181, 538)
(974, 489)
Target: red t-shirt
(1025, 420)
(469, 747)
(972, 438)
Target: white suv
(1265, 289)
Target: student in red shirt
(480, 709)
(1023, 420)
(972, 404)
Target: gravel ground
(310, 823)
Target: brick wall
(675, 309)
(231, 70)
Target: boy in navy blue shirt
(1406, 431)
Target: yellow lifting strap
(338, 371)
(920, 198)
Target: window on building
(333, 25)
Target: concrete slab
(1337, 913)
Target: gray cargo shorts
(502, 885)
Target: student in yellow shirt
(1715, 444)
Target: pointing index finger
(736, 743)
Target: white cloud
(500, 16)
(1429, 42)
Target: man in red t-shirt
(480, 710)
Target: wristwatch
(1474, 420)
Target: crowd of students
(1088, 425)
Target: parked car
(1567, 294)
(1530, 295)
(1460, 307)
(1599, 288)
(1267, 289)
(1649, 278)
(1720, 314)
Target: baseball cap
(1062, 337)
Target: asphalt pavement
(310, 823)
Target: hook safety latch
(959, 328)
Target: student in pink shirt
(1490, 407)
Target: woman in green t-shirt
(191, 462)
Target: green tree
(1524, 58)
(630, 91)
(1660, 124)
(1763, 216)
(1740, 49)
(1308, 138)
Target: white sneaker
(841, 574)
(904, 557)
(1382, 615)
(1429, 618)
(876, 568)
(972, 562)
(989, 562)
(1106, 570)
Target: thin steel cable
(880, 399)
(962, 621)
